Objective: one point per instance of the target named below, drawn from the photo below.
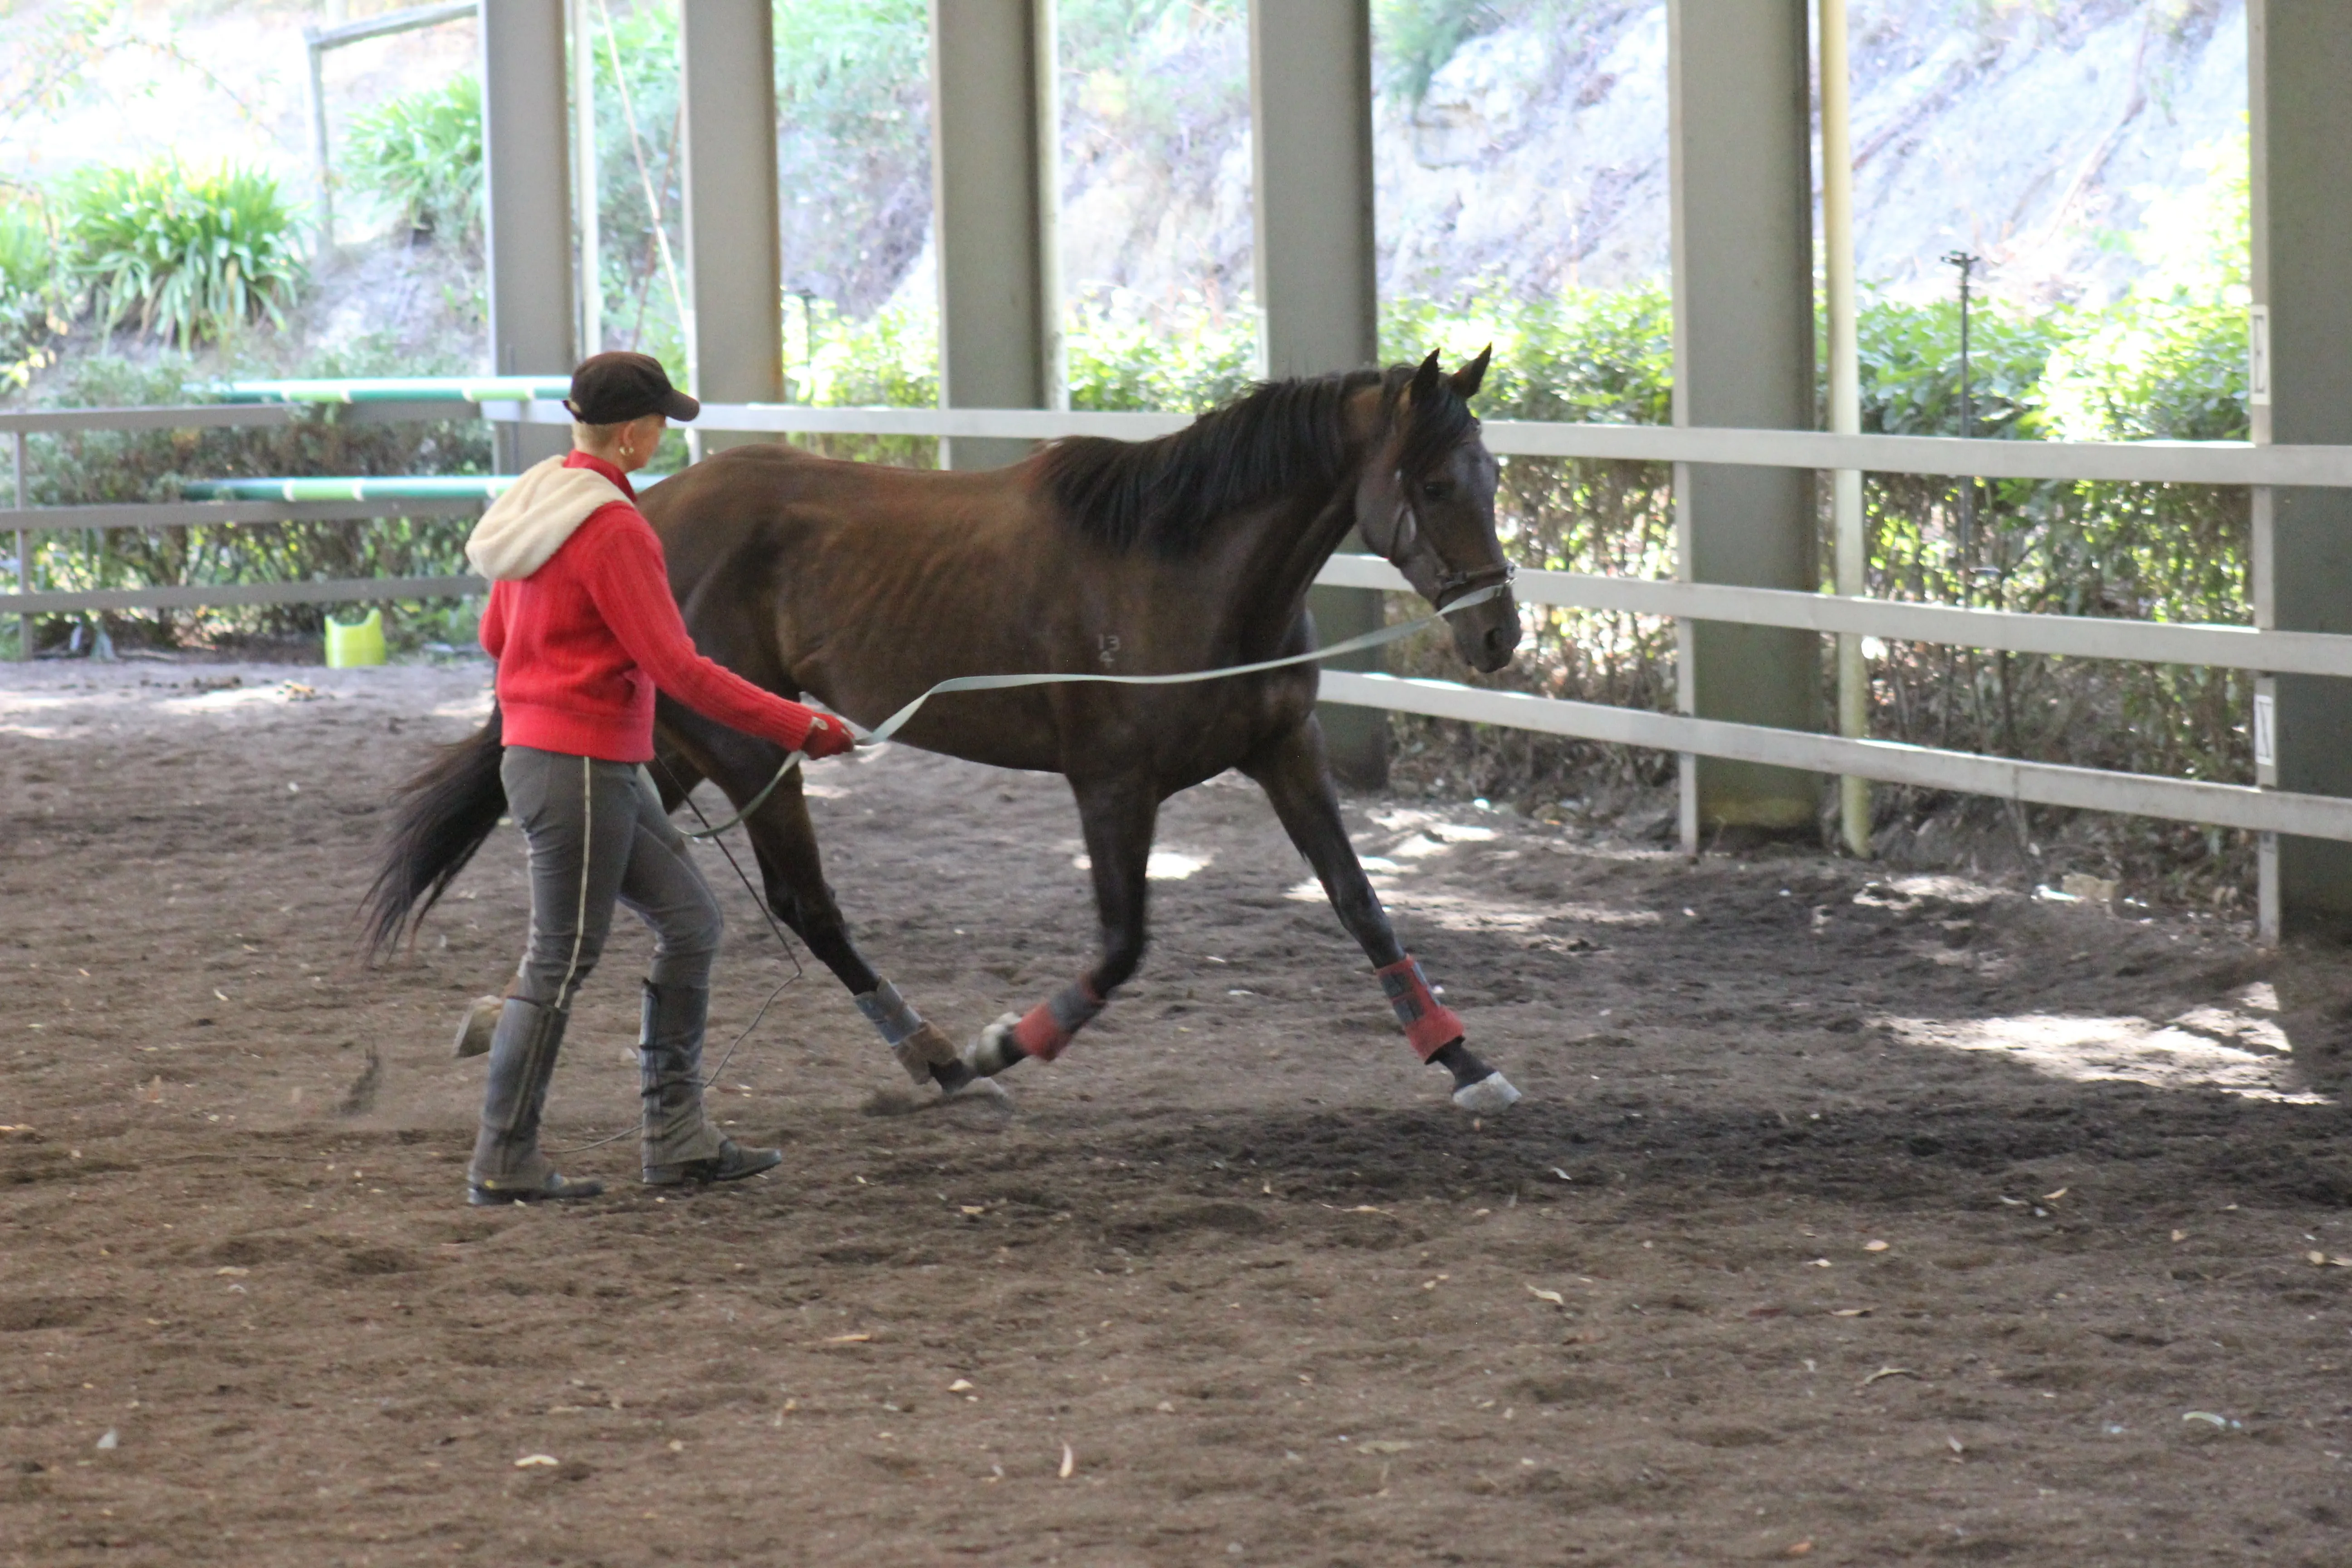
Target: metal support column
(2298, 58)
(585, 180)
(734, 270)
(1317, 297)
(527, 207)
(1740, 90)
(992, 153)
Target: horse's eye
(1435, 490)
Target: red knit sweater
(584, 641)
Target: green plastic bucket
(350, 647)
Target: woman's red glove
(827, 737)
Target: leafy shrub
(96, 467)
(421, 156)
(193, 256)
(30, 303)
(27, 256)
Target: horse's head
(1426, 501)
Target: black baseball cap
(613, 388)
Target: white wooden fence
(2206, 463)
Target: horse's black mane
(1163, 494)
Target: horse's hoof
(1489, 1096)
(994, 1049)
(924, 1049)
(474, 1031)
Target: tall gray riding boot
(680, 1144)
(507, 1167)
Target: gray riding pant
(597, 833)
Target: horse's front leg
(1292, 772)
(1117, 816)
(791, 875)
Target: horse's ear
(1425, 379)
(1468, 380)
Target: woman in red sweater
(584, 631)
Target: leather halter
(1405, 534)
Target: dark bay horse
(861, 585)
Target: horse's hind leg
(1292, 772)
(792, 873)
(1117, 816)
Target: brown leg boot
(507, 1167)
(680, 1144)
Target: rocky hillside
(2034, 134)
(1520, 144)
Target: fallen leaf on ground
(1069, 1462)
(2180, 1235)
(1886, 1372)
(1874, 1246)
(531, 1460)
(960, 1385)
(850, 1339)
(2054, 1197)
(1800, 1549)
(1849, 1311)
(1554, 1297)
(1383, 1446)
(2318, 1260)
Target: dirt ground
(1849, 1221)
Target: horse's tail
(439, 817)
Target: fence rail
(2044, 784)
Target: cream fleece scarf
(526, 524)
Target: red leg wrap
(1430, 1026)
(1045, 1031)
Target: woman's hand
(827, 737)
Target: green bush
(31, 306)
(27, 255)
(97, 467)
(192, 256)
(421, 157)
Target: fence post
(734, 275)
(23, 553)
(1317, 280)
(1845, 402)
(324, 169)
(527, 208)
(1739, 112)
(2298, 58)
(993, 125)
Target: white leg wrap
(1489, 1096)
(993, 1050)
